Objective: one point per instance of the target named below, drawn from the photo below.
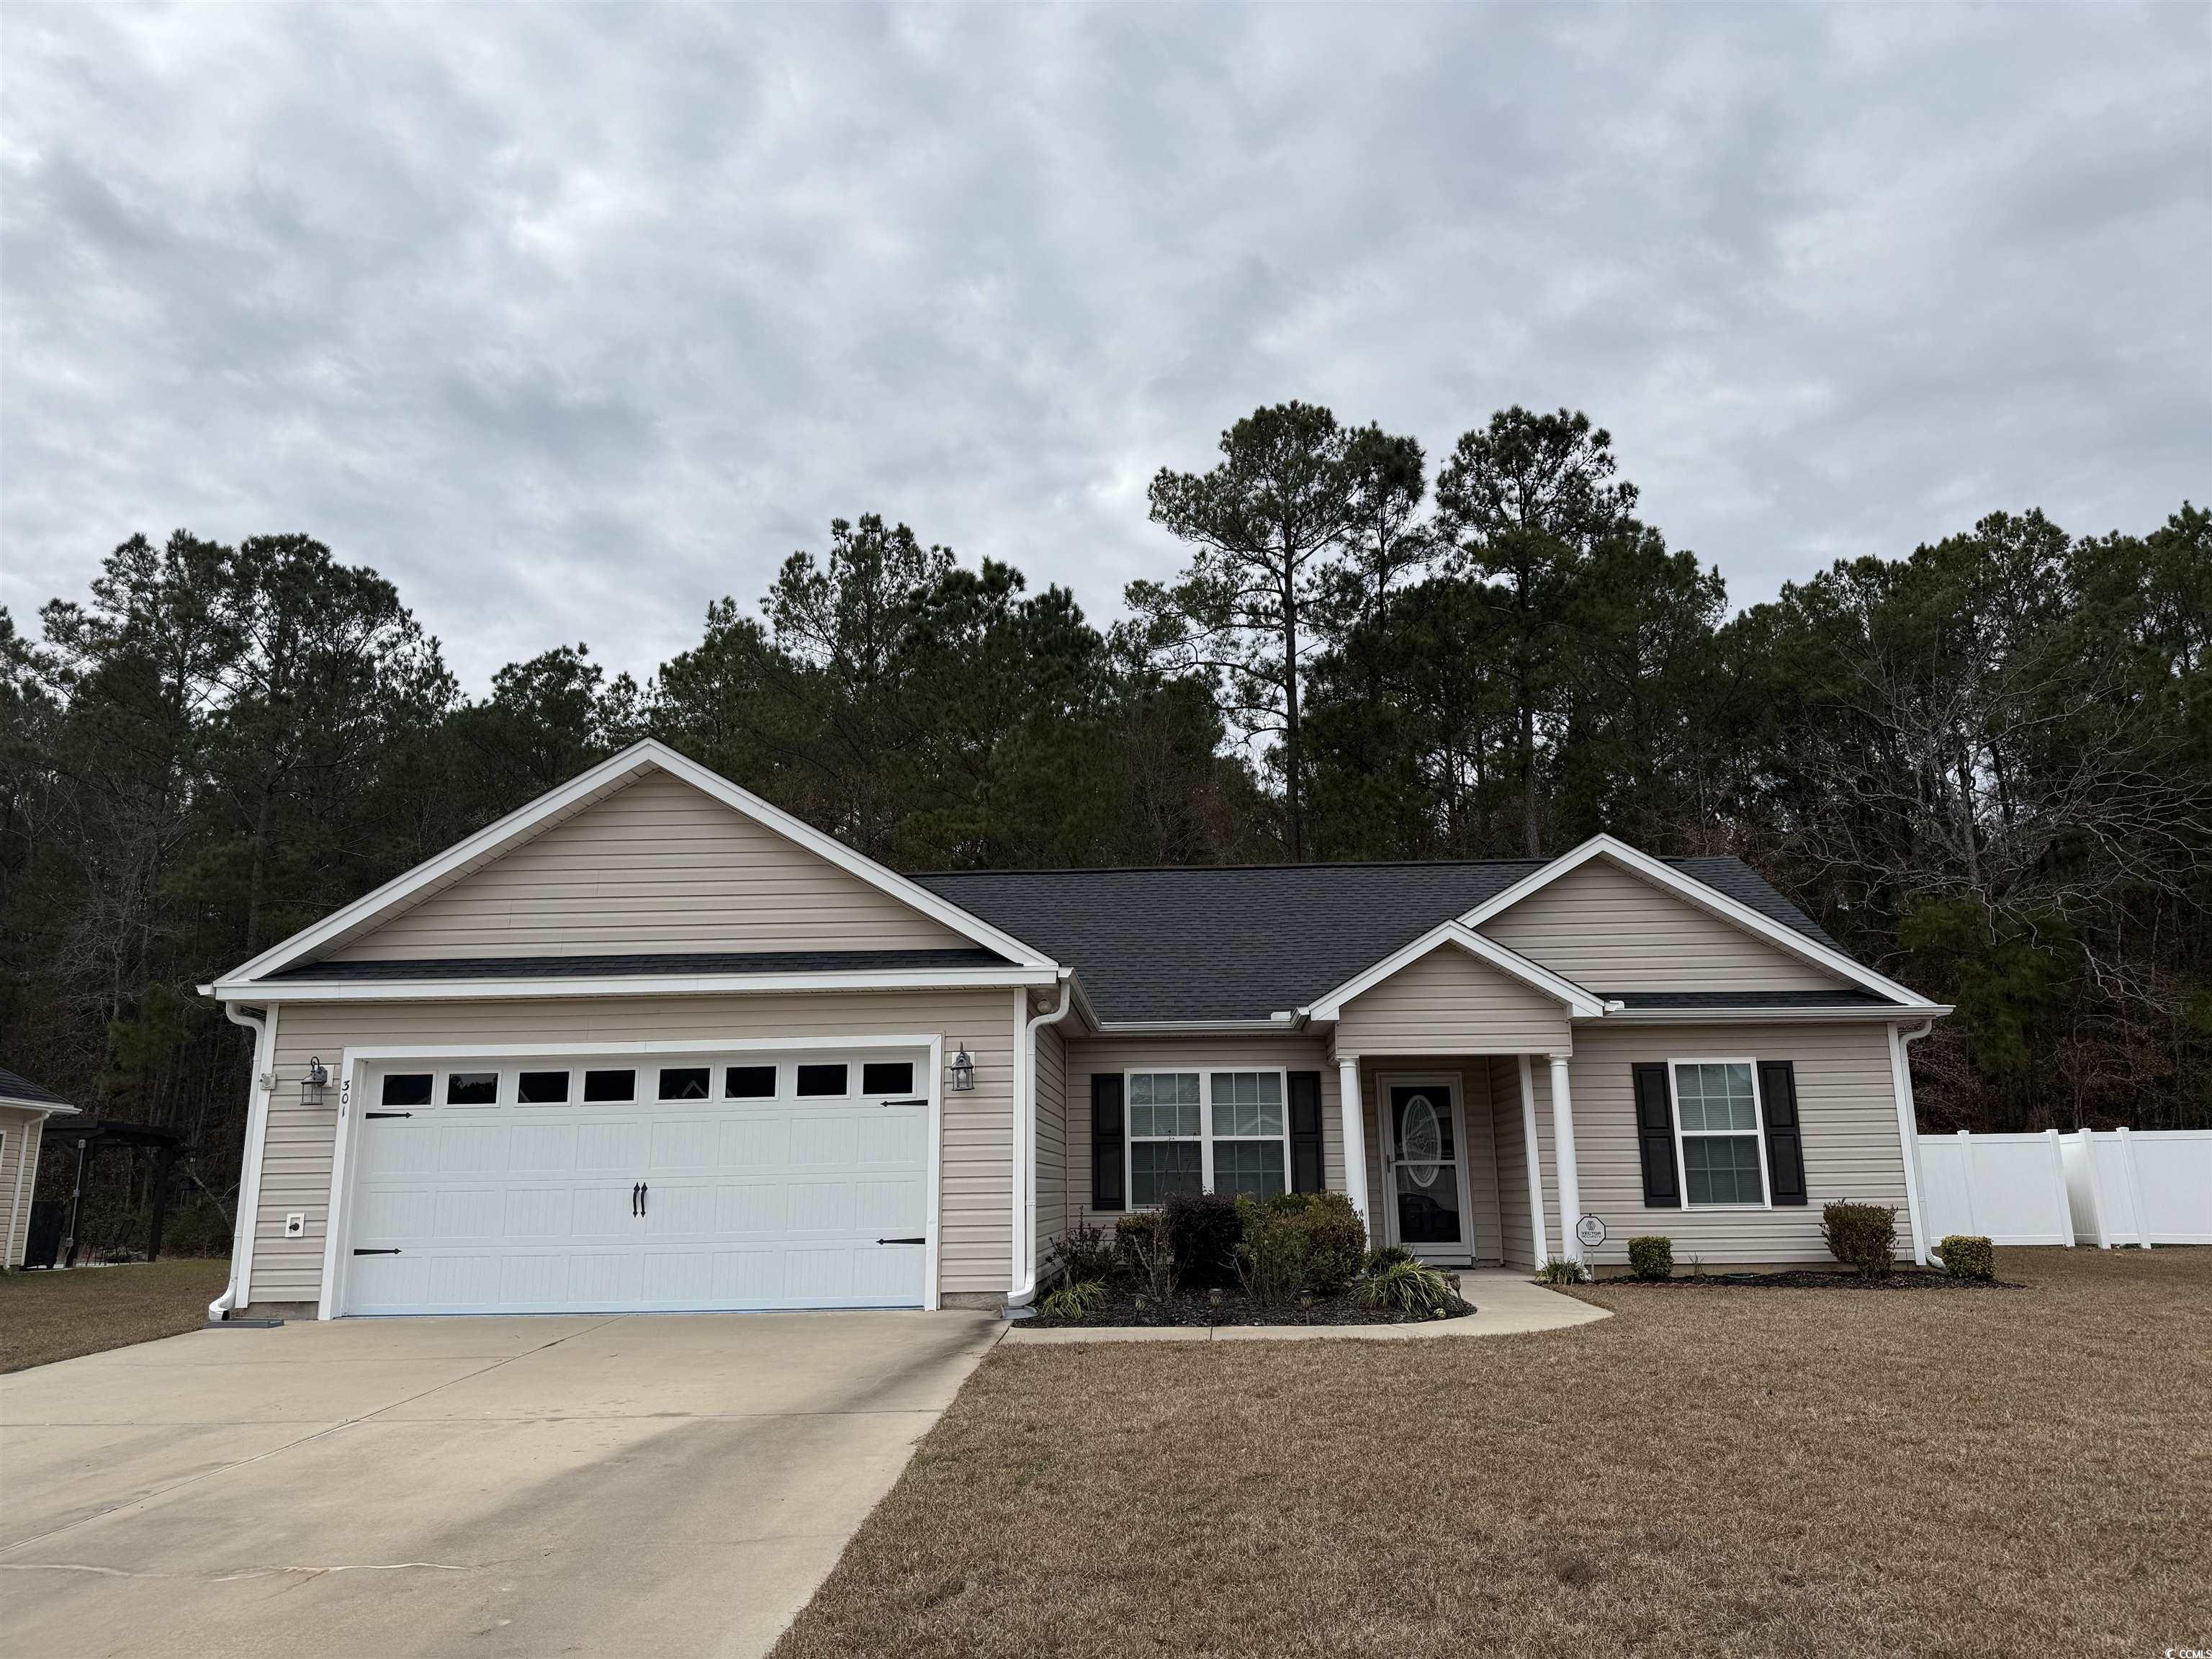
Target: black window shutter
(1785, 1142)
(1305, 1132)
(1654, 1138)
(1107, 1174)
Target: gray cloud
(572, 320)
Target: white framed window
(1167, 1142)
(1720, 1134)
(1209, 1129)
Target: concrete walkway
(1506, 1303)
(526, 1486)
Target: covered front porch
(1455, 1155)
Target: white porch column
(1563, 1150)
(1535, 1157)
(1355, 1138)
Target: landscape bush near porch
(1290, 1258)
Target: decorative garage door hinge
(387, 1114)
(900, 1241)
(394, 1251)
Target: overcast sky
(571, 320)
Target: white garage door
(628, 1184)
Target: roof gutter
(264, 1027)
(1618, 1015)
(1024, 1251)
(480, 990)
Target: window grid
(1720, 1134)
(1220, 1130)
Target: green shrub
(1562, 1270)
(1076, 1299)
(1652, 1256)
(1862, 1235)
(1336, 1240)
(1383, 1256)
(1271, 1254)
(1203, 1230)
(1967, 1256)
(1085, 1255)
(1409, 1287)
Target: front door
(1428, 1215)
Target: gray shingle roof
(14, 1085)
(618, 967)
(1243, 943)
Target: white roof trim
(1709, 899)
(46, 1108)
(611, 774)
(1617, 1015)
(480, 990)
(1581, 1003)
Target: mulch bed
(1810, 1279)
(1191, 1307)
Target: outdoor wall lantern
(313, 1084)
(963, 1071)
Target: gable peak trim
(1705, 897)
(647, 756)
(1582, 1004)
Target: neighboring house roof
(1245, 942)
(619, 967)
(16, 1090)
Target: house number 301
(345, 1094)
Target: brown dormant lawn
(45, 1317)
(1710, 1472)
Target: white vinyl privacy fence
(2101, 1186)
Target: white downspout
(1024, 1251)
(263, 1025)
(1908, 1129)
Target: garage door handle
(635, 1188)
(387, 1114)
(391, 1252)
(902, 1240)
(644, 1197)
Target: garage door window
(407, 1088)
(610, 1085)
(683, 1082)
(822, 1079)
(472, 1088)
(748, 1082)
(887, 1076)
(542, 1089)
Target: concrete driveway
(641, 1485)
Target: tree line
(1985, 765)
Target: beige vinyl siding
(1846, 1104)
(1608, 930)
(1051, 1138)
(657, 867)
(1514, 1220)
(973, 1231)
(1449, 999)
(19, 1170)
(1117, 1053)
(1481, 1221)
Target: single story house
(24, 1109)
(652, 1043)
